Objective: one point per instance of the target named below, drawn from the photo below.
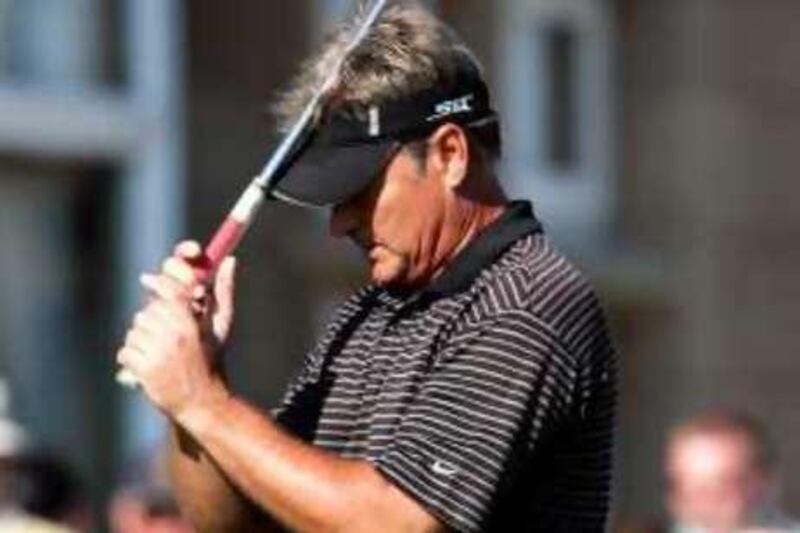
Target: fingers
(137, 339)
(166, 288)
(129, 358)
(179, 269)
(150, 323)
(185, 264)
(153, 328)
(189, 264)
(141, 335)
(179, 282)
(153, 316)
(223, 294)
(225, 283)
(188, 250)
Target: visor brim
(327, 175)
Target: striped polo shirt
(488, 397)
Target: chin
(385, 281)
(389, 279)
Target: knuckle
(187, 249)
(199, 291)
(175, 263)
(176, 269)
(168, 265)
(123, 356)
(155, 285)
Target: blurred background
(657, 139)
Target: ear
(449, 154)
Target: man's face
(713, 483)
(397, 222)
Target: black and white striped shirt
(488, 397)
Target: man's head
(403, 149)
(719, 468)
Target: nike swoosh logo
(444, 469)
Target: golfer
(469, 386)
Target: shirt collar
(517, 221)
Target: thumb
(224, 285)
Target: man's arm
(303, 487)
(206, 497)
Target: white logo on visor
(452, 107)
(374, 121)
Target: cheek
(397, 217)
(405, 210)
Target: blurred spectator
(144, 503)
(146, 509)
(722, 476)
(50, 490)
(13, 444)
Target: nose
(344, 219)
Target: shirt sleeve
(484, 406)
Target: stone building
(657, 139)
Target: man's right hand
(215, 306)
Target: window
(560, 53)
(50, 43)
(556, 98)
(90, 168)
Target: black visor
(344, 153)
(325, 174)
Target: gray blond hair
(407, 51)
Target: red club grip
(219, 247)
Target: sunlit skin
(713, 482)
(411, 223)
(415, 220)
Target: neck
(466, 221)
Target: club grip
(218, 248)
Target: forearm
(206, 497)
(304, 487)
(301, 486)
